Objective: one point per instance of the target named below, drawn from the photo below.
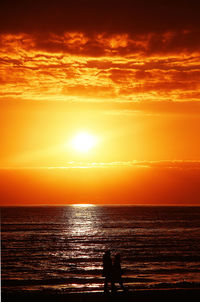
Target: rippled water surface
(61, 248)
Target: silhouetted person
(107, 271)
(117, 271)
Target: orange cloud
(75, 65)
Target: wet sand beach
(138, 295)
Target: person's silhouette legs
(106, 285)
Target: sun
(83, 142)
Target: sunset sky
(99, 102)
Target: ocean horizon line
(99, 205)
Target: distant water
(61, 248)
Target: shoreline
(134, 295)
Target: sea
(60, 249)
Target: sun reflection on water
(83, 205)
(82, 220)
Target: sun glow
(83, 142)
(83, 205)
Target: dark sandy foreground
(169, 295)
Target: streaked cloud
(71, 65)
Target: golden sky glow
(121, 98)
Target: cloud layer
(119, 50)
(73, 66)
